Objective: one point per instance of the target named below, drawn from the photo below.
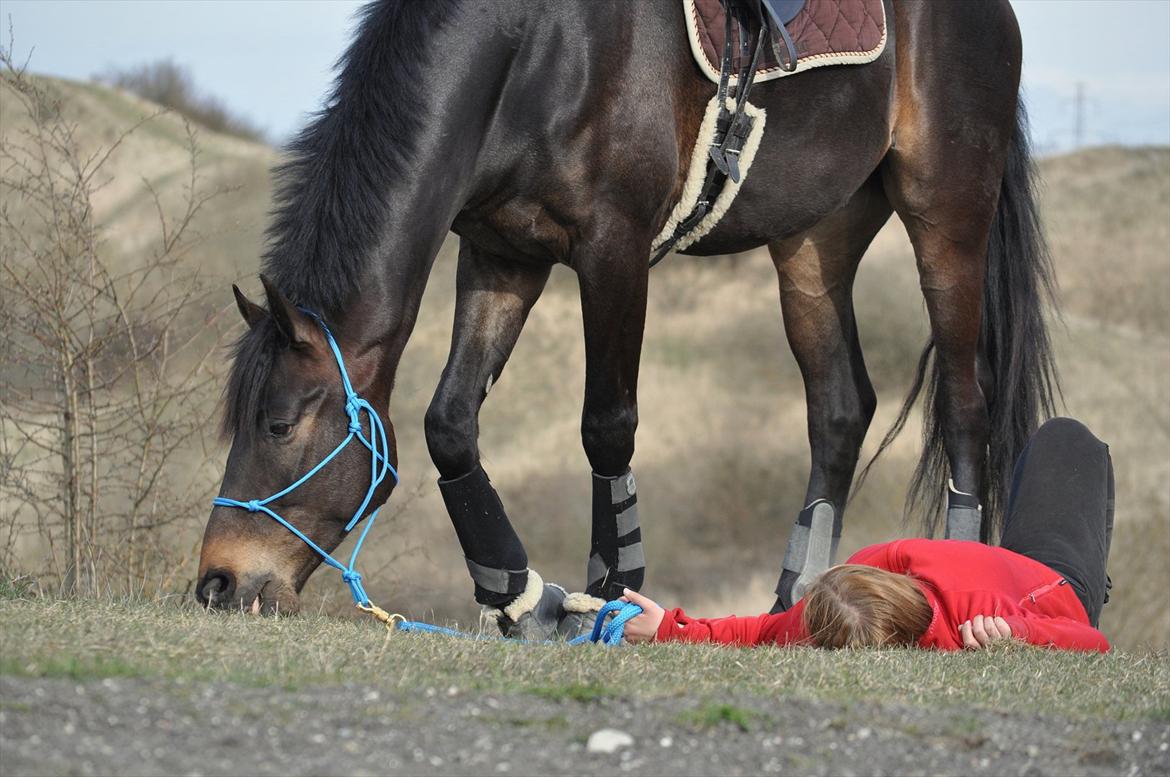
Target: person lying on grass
(1044, 585)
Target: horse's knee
(451, 437)
(608, 438)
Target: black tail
(1014, 347)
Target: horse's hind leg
(816, 275)
(955, 123)
(493, 298)
(948, 216)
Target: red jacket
(960, 580)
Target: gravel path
(146, 727)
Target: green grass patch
(87, 640)
(72, 666)
(579, 692)
(715, 715)
(16, 588)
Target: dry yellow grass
(97, 639)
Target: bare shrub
(172, 86)
(105, 381)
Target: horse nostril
(216, 587)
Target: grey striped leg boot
(812, 548)
(964, 515)
(616, 559)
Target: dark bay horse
(546, 132)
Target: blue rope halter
(380, 466)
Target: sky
(271, 60)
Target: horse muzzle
(244, 574)
(255, 594)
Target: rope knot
(353, 410)
(252, 505)
(351, 576)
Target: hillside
(720, 393)
(231, 227)
(1107, 212)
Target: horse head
(290, 403)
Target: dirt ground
(149, 727)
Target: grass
(714, 715)
(579, 692)
(86, 640)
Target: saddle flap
(824, 32)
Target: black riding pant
(1060, 509)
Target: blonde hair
(852, 606)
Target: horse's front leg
(613, 274)
(493, 299)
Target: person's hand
(644, 628)
(982, 630)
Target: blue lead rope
(380, 467)
(607, 633)
(611, 633)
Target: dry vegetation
(172, 86)
(110, 344)
(722, 452)
(106, 380)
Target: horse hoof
(580, 612)
(534, 615)
(546, 613)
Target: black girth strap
(733, 127)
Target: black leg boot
(518, 600)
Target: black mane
(253, 357)
(330, 194)
(329, 200)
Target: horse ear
(292, 323)
(251, 312)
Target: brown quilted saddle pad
(826, 32)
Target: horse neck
(377, 321)
(415, 202)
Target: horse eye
(279, 430)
